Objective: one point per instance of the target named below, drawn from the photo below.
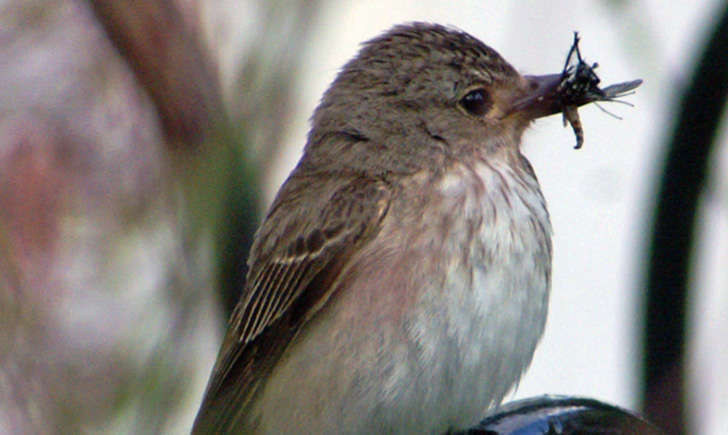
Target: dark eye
(476, 102)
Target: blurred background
(140, 143)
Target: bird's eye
(477, 102)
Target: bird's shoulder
(315, 220)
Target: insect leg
(571, 115)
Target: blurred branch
(169, 62)
(120, 170)
(701, 109)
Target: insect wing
(620, 89)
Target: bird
(400, 280)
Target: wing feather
(298, 254)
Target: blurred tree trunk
(118, 160)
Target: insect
(580, 85)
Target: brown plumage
(399, 281)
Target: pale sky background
(600, 196)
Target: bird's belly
(473, 337)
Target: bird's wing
(298, 255)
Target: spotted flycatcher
(400, 280)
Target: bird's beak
(542, 97)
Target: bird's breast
(477, 323)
